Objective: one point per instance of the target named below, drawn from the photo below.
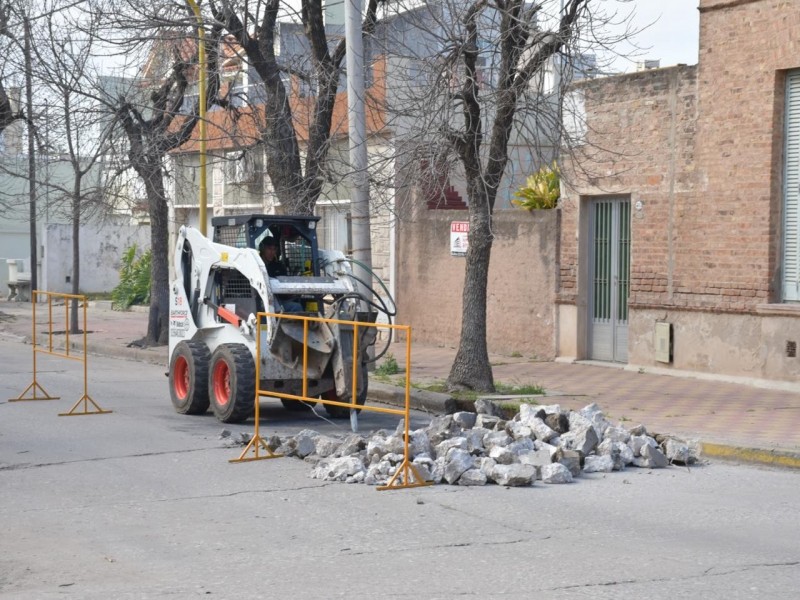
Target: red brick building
(680, 238)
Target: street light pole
(201, 57)
(34, 246)
(359, 208)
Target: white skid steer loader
(220, 287)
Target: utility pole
(31, 154)
(359, 208)
(201, 58)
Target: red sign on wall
(459, 234)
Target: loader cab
(296, 237)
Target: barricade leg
(85, 400)
(409, 478)
(34, 387)
(256, 445)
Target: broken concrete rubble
(548, 443)
(556, 473)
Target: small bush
(134, 280)
(389, 366)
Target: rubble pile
(544, 443)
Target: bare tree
(485, 81)
(152, 113)
(7, 113)
(256, 28)
(152, 131)
(66, 76)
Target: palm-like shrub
(541, 190)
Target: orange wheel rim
(181, 377)
(222, 383)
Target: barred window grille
(295, 255)
(231, 235)
(236, 285)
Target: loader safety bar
(88, 405)
(406, 475)
(223, 313)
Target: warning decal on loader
(178, 322)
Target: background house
(679, 248)
(104, 235)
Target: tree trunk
(471, 368)
(76, 255)
(158, 316)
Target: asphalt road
(143, 503)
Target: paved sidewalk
(735, 421)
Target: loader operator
(268, 249)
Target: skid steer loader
(220, 287)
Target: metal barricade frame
(406, 474)
(85, 399)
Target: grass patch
(519, 390)
(465, 399)
(389, 366)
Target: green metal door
(609, 278)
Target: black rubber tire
(339, 412)
(296, 405)
(188, 378)
(232, 383)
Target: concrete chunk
(326, 446)
(582, 438)
(502, 455)
(676, 451)
(556, 473)
(352, 444)
(456, 462)
(558, 422)
(465, 420)
(474, 439)
(515, 475)
(338, 469)
(598, 464)
(444, 447)
(570, 459)
(419, 443)
(489, 422)
(442, 428)
(651, 458)
(541, 430)
(496, 438)
(517, 430)
(472, 477)
(484, 406)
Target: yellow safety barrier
(85, 400)
(406, 475)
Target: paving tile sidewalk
(732, 420)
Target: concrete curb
(756, 456)
(432, 402)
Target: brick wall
(701, 148)
(521, 288)
(745, 47)
(639, 143)
(699, 152)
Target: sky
(673, 36)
